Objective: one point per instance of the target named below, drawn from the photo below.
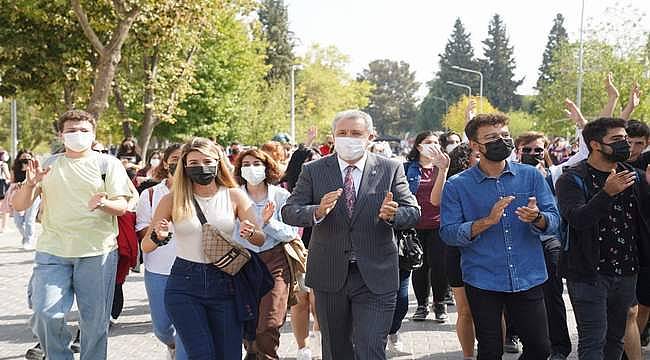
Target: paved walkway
(132, 337)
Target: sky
(416, 31)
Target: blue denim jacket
(413, 173)
(508, 257)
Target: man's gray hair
(353, 114)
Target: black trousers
(555, 307)
(433, 273)
(118, 301)
(527, 313)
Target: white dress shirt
(356, 173)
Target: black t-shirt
(642, 162)
(618, 233)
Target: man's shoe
(511, 346)
(394, 344)
(440, 310)
(35, 353)
(421, 313)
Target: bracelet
(251, 235)
(538, 217)
(159, 242)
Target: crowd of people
(234, 239)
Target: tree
(392, 103)
(325, 88)
(455, 118)
(458, 52)
(109, 53)
(230, 98)
(273, 15)
(556, 38)
(498, 67)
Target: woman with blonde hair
(256, 172)
(208, 307)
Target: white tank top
(218, 211)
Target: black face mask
(498, 150)
(172, 168)
(202, 175)
(620, 151)
(532, 159)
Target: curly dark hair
(459, 159)
(273, 171)
(444, 139)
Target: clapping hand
(268, 212)
(327, 203)
(246, 229)
(616, 183)
(498, 209)
(388, 208)
(530, 212)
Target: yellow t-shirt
(70, 229)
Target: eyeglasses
(101, 151)
(528, 150)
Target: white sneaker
(304, 354)
(394, 344)
(171, 353)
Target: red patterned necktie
(348, 190)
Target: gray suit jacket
(333, 238)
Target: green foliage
(35, 124)
(520, 122)
(229, 92)
(273, 15)
(599, 59)
(498, 67)
(556, 38)
(455, 118)
(325, 88)
(458, 52)
(392, 103)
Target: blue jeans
(600, 308)
(155, 285)
(55, 283)
(402, 306)
(200, 302)
(25, 222)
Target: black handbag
(409, 250)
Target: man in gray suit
(353, 200)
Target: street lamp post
(480, 74)
(14, 129)
(580, 58)
(293, 100)
(444, 100)
(469, 88)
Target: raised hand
(440, 159)
(497, 210)
(388, 208)
(612, 91)
(529, 212)
(616, 183)
(327, 203)
(470, 111)
(268, 212)
(574, 113)
(312, 133)
(34, 174)
(633, 103)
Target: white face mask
(78, 141)
(427, 150)
(254, 175)
(451, 148)
(350, 149)
(154, 162)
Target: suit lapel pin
(373, 172)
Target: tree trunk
(121, 108)
(69, 95)
(149, 120)
(109, 54)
